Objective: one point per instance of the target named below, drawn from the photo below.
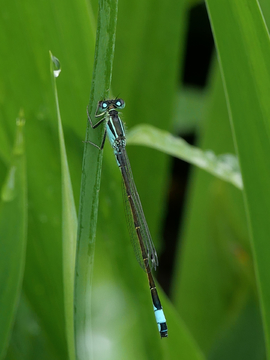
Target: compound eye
(120, 103)
(103, 105)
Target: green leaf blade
(239, 28)
(223, 166)
(69, 222)
(90, 183)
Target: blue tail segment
(159, 314)
(161, 322)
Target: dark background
(198, 55)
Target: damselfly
(144, 248)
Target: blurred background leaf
(224, 166)
(13, 225)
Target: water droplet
(56, 66)
(231, 161)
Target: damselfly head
(107, 105)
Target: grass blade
(243, 46)
(90, 183)
(223, 166)
(69, 222)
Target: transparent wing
(132, 231)
(135, 214)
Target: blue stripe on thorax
(116, 132)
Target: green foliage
(220, 305)
(224, 166)
(13, 220)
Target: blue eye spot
(104, 105)
(120, 103)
